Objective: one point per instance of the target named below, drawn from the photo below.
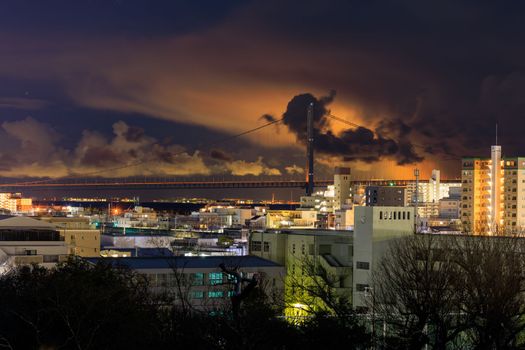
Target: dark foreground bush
(78, 305)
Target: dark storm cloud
(134, 134)
(99, 156)
(220, 155)
(388, 140)
(448, 70)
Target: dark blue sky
(137, 18)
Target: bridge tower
(310, 149)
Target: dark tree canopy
(450, 291)
(77, 305)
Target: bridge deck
(191, 184)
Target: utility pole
(416, 214)
(310, 149)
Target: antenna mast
(310, 149)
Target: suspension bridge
(115, 184)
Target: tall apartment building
(342, 187)
(15, 203)
(476, 194)
(7, 202)
(430, 191)
(493, 195)
(513, 194)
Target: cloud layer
(35, 151)
(432, 74)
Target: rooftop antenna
(496, 134)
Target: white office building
(375, 228)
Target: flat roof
(137, 234)
(180, 262)
(63, 219)
(23, 222)
(143, 252)
(311, 232)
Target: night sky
(93, 85)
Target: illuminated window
(215, 278)
(197, 279)
(214, 294)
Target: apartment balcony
(28, 259)
(39, 259)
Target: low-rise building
(138, 217)
(132, 238)
(200, 280)
(257, 222)
(348, 256)
(299, 251)
(25, 241)
(216, 217)
(344, 218)
(79, 234)
(300, 218)
(449, 208)
(386, 196)
(428, 210)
